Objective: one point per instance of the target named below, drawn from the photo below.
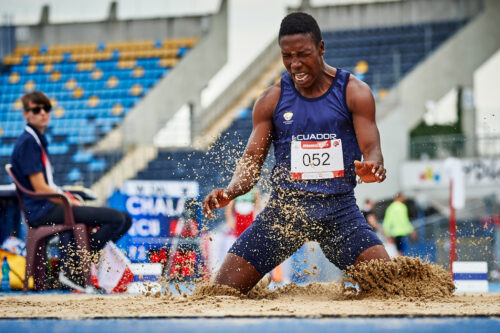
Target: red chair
(36, 240)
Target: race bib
(317, 159)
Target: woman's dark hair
(36, 97)
(300, 23)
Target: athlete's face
(39, 119)
(302, 58)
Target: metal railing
(454, 145)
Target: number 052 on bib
(317, 159)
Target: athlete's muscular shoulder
(267, 102)
(359, 97)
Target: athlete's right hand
(216, 199)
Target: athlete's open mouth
(299, 77)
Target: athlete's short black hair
(300, 23)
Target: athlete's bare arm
(249, 168)
(362, 106)
(229, 213)
(39, 184)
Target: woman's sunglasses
(38, 109)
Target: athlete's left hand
(370, 171)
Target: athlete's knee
(373, 253)
(237, 273)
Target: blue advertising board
(155, 208)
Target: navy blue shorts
(291, 219)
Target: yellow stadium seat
(29, 86)
(136, 89)
(96, 74)
(117, 110)
(128, 55)
(70, 84)
(59, 112)
(78, 57)
(112, 82)
(361, 67)
(18, 105)
(138, 72)
(93, 101)
(55, 76)
(72, 48)
(176, 42)
(122, 64)
(14, 78)
(382, 93)
(167, 62)
(32, 68)
(78, 92)
(30, 49)
(12, 59)
(104, 56)
(47, 68)
(85, 66)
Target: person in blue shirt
(321, 122)
(32, 167)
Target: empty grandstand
(92, 86)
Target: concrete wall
(385, 13)
(112, 30)
(240, 93)
(183, 85)
(394, 142)
(452, 65)
(486, 89)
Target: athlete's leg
(271, 239)
(371, 253)
(346, 238)
(398, 240)
(237, 273)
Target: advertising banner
(155, 208)
(435, 174)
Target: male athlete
(321, 121)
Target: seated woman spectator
(31, 166)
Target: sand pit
(403, 287)
(295, 305)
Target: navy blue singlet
(298, 118)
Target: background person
(369, 214)
(241, 211)
(31, 166)
(397, 223)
